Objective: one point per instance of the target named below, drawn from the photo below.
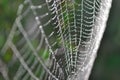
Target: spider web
(53, 39)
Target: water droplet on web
(40, 26)
(37, 18)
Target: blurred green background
(107, 64)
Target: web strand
(53, 39)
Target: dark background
(107, 64)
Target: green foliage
(8, 56)
(2, 41)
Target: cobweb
(52, 39)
